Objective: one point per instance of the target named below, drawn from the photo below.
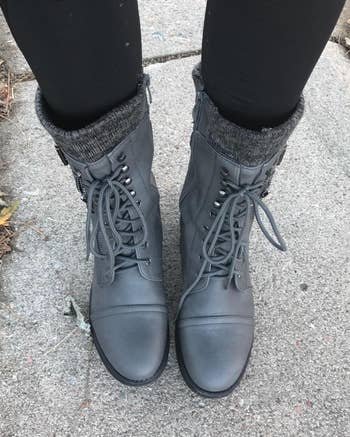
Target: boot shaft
(222, 193)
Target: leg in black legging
(86, 55)
(258, 55)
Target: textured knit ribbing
(248, 147)
(96, 139)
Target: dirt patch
(7, 232)
(6, 90)
(6, 207)
(6, 235)
(341, 33)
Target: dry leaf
(6, 213)
(73, 309)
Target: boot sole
(193, 386)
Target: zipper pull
(61, 154)
(148, 89)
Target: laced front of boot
(115, 226)
(224, 246)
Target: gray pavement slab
(168, 27)
(297, 383)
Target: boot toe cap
(132, 345)
(215, 356)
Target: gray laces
(223, 246)
(112, 233)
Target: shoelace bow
(116, 216)
(225, 229)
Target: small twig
(23, 226)
(60, 342)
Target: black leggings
(257, 54)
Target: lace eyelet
(125, 168)
(127, 181)
(222, 193)
(148, 262)
(121, 157)
(224, 171)
(132, 193)
(217, 204)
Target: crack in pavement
(170, 57)
(28, 76)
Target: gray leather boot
(128, 312)
(229, 173)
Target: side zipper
(61, 154)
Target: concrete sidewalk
(297, 384)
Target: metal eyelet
(132, 193)
(148, 262)
(264, 194)
(125, 168)
(217, 204)
(224, 171)
(222, 193)
(127, 181)
(121, 157)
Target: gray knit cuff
(98, 138)
(248, 147)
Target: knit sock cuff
(93, 141)
(248, 147)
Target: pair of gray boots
(229, 173)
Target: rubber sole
(122, 378)
(193, 386)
